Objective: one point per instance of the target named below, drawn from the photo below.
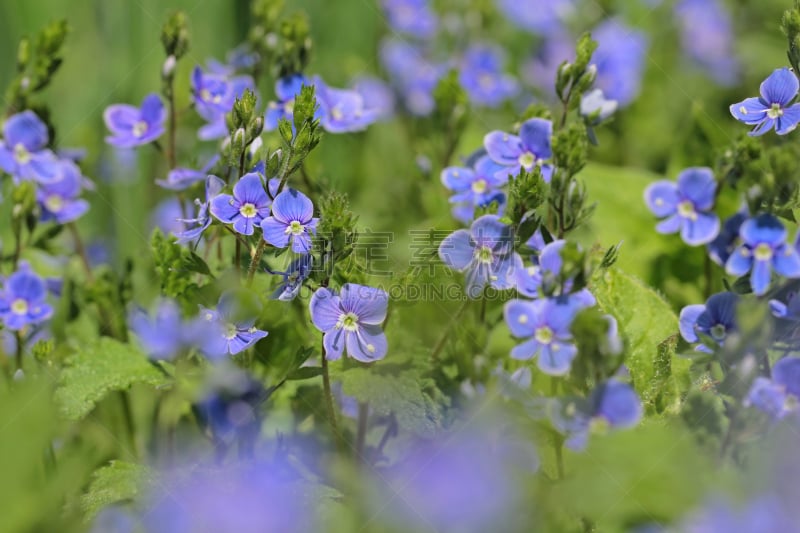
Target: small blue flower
(613, 405)
(23, 299)
(536, 16)
(293, 278)
(485, 253)
(60, 200)
(213, 96)
(180, 179)
(377, 96)
(413, 76)
(544, 277)
(351, 320)
(789, 309)
(780, 395)
(482, 77)
(229, 405)
(764, 514)
(413, 17)
(286, 90)
(763, 249)
(226, 330)
(773, 109)
(721, 248)
(248, 206)
(531, 148)
(686, 206)
(292, 222)
(131, 126)
(596, 108)
(620, 59)
(341, 110)
(162, 336)
(716, 319)
(23, 152)
(202, 221)
(475, 187)
(546, 325)
(707, 38)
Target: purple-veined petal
(27, 129)
(550, 258)
(153, 111)
(698, 185)
(456, 250)
(787, 122)
(301, 244)
(559, 316)
(760, 277)
(503, 148)
(526, 350)
(120, 118)
(45, 167)
(556, 358)
(325, 309)
(367, 344)
(662, 198)
(368, 303)
(245, 225)
(214, 186)
(244, 339)
(786, 262)
(780, 87)
(702, 230)
(535, 135)
(225, 208)
(669, 225)
(763, 229)
(489, 231)
(528, 280)
(250, 190)
(490, 171)
(740, 261)
(288, 87)
(763, 127)
(688, 319)
(292, 205)
(457, 178)
(7, 161)
(778, 309)
(478, 276)
(502, 277)
(275, 232)
(767, 397)
(334, 342)
(521, 317)
(750, 111)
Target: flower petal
(521, 317)
(556, 359)
(662, 198)
(245, 339)
(740, 262)
(275, 232)
(225, 208)
(526, 350)
(503, 148)
(619, 404)
(787, 262)
(760, 277)
(763, 229)
(700, 231)
(334, 342)
(153, 111)
(368, 303)
(489, 231)
(787, 123)
(368, 344)
(457, 250)
(786, 372)
(669, 225)
(26, 129)
(780, 87)
(292, 205)
(249, 189)
(325, 309)
(535, 135)
(750, 111)
(688, 319)
(698, 185)
(457, 178)
(763, 127)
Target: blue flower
(341, 110)
(546, 325)
(248, 206)
(531, 148)
(474, 187)
(163, 335)
(596, 108)
(780, 395)
(620, 56)
(413, 76)
(60, 200)
(229, 405)
(707, 38)
(377, 96)
(716, 320)
(773, 109)
(227, 330)
(485, 253)
(286, 90)
(179, 179)
(721, 248)
(763, 249)
(544, 277)
(613, 405)
(351, 320)
(293, 278)
(540, 70)
(292, 221)
(686, 206)
(482, 77)
(23, 299)
(788, 310)
(202, 221)
(131, 126)
(23, 152)
(213, 96)
(413, 17)
(765, 514)
(536, 16)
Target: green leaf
(399, 389)
(104, 366)
(119, 481)
(649, 326)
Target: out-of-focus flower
(202, 221)
(482, 77)
(619, 58)
(596, 108)
(413, 76)
(23, 152)
(131, 126)
(531, 148)
(475, 187)
(60, 200)
(163, 334)
(780, 395)
(293, 278)
(23, 299)
(707, 38)
(537, 16)
(721, 248)
(181, 178)
(226, 330)
(413, 17)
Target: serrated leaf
(94, 371)
(650, 326)
(395, 389)
(116, 482)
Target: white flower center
(19, 307)
(348, 322)
(484, 254)
(337, 114)
(248, 210)
(523, 319)
(21, 154)
(479, 186)
(139, 129)
(289, 106)
(544, 335)
(230, 331)
(54, 203)
(718, 332)
(776, 111)
(686, 210)
(763, 252)
(295, 228)
(205, 94)
(527, 160)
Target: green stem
(251, 272)
(361, 439)
(127, 415)
(326, 386)
(81, 249)
(19, 351)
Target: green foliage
(175, 265)
(37, 63)
(294, 46)
(117, 482)
(175, 35)
(648, 326)
(790, 24)
(703, 413)
(99, 368)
